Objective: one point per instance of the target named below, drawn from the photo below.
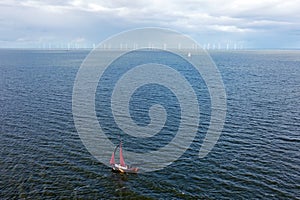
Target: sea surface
(257, 155)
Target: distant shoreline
(209, 50)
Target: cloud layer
(254, 24)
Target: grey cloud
(95, 19)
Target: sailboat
(122, 167)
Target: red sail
(112, 159)
(122, 162)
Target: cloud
(79, 40)
(64, 21)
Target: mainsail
(122, 162)
(112, 159)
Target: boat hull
(133, 170)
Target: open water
(257, 155)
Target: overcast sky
(247, 24)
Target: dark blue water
(257, 155)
